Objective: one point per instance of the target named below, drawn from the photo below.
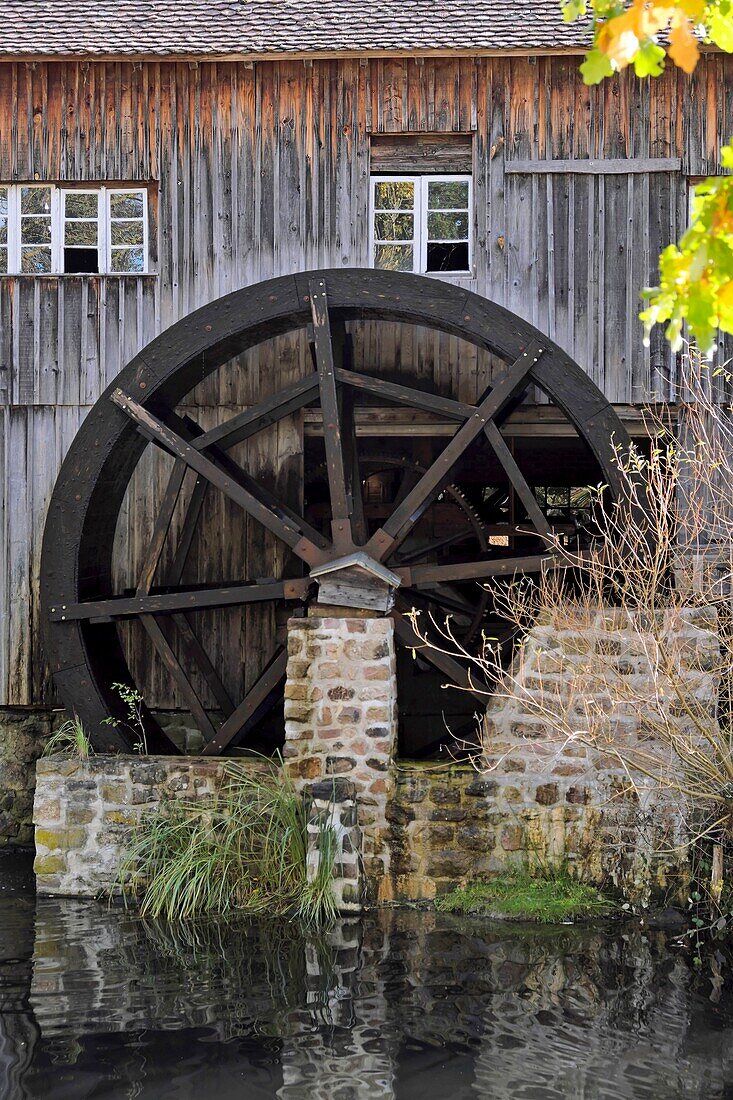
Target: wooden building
(156, 156)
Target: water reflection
(407, 1005)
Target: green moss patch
(548, 898)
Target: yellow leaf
(683, 48)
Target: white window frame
(104, 193)
(420, 213)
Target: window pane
(394, 227)
(3, 261)
(35, 260)
(81, 205)
(126, 204)
(35, 200)
(3, 232)
(451, 227)
(127, 259)
(81, 260)
(447, 257)
(3, 202)
(393, 257)
(127, 232)
(80, 233)
(447, 195)
(395, 195)
(35, 230)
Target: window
(51, 230)
(422, 223)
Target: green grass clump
(546, 896)
(243, 849)
(69, 740)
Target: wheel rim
(85, 650)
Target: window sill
(79, 275)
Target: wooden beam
(408, 512)
(516, 477)
(611, 167)
(415, 575)
(179, 676)
(431, 651)
(323, 346)
(161, 527)
(407, 395)
(187, 599)
(260, 416)
(170, 441)
(253, 700)
(198, 655)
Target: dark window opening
(447, 256)
(81, 261)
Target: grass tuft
(546, 896)
(242, 849)
(69, 740)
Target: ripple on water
(96, 1002)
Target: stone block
(547, 794)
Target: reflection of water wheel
(450, 530)
(168, 601)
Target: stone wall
(86, 810)
(341, 720)
(548, 786)
(23, 735)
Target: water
(412, 1005)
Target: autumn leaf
(683, 47)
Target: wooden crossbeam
(323, 347)
(186, 599)
(258, 694)
(430, 650)
(404, 517)
(516, 477)
(260, 416)
(171, 441)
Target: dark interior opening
(81, 261)
(448, 256)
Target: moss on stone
(548, 897)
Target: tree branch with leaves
(696, 274)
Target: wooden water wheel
(429, 523)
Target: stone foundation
(86, 811)
(23, 736)
(537, 794)
(341, 721)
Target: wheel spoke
(405, 395)
(429, 647)
(323, 348)
(198, 655)
(516, 477)
(359, 530)
(409, 511)
(161, 527)
(241, 719)
(260, 416)
(188, 529)
(171, 441)
(186, 599)
(175, 668)
(416, 575)
(437, 544)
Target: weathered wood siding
(263, 169)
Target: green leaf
(596, 67)
(573, 9)
(720, 28)
(649, 61)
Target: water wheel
(430, 522)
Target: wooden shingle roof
(257, 28)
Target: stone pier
(341, 721)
